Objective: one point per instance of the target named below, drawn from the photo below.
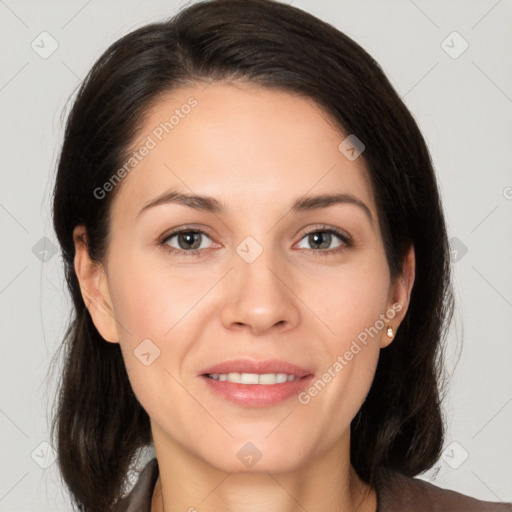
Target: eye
(188, 241)
(322, 238)
(191, 242)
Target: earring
(390, 331)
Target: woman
(258, 260)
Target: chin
(257, 457)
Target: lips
(259, 367)
(256, 395)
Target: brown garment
(395, 493)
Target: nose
(260, 297)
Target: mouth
(265, 379)
(251, 383)
(251, 367)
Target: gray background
(463, 105)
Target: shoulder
(397, 492)
(139, 498)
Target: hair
(98, 424)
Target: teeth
(254, 378)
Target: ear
(400, 294)
(94, 287)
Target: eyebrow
(212, 205)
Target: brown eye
(325, 240)
(186, 241)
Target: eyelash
(346, 241)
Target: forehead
(244, 144)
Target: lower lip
(257, 395)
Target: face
(257, 274)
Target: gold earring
(390, 331)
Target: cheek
(150, 307)
(151, 300)
(350, 299)
(352, 306)
(156, 309)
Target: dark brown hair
(99, 424)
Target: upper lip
(255, 366)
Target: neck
(188, 483)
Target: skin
(256, 150)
